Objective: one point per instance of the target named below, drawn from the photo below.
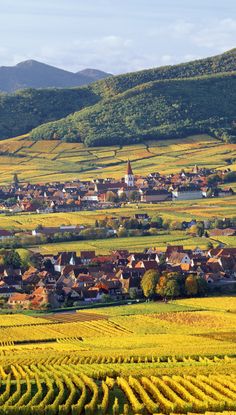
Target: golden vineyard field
(145, 359)
(55, 160)
(66, 389)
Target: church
(129, 183)
(129, 177)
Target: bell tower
(129, 177)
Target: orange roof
(19, 297)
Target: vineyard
(67, 389)
(147, 358)
(54, 160)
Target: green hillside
(225, 62)
(24, 110)
(160, 109)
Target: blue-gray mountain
(33, 74)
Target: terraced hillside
(47, 161)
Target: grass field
(133, 244)
(178, 211)
(47, 161)
(148, 358)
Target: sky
(116, 36)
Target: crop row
(63, 389)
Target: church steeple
(129, 177)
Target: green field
(47, 161)
(133, 244)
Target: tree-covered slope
(170, 108)
(26, 109)
(225, 62)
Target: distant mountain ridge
(34, 74)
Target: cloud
(220, 34)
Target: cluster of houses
(99, 193)
(69, 279)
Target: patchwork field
(136, 359)
(47, 161)
(178, 210)
(133, 244)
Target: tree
(160, 287)
(172, 289)
(202, 286)
(209, 245)
(122, 233)
(149, 282)
(133, 293)
(123, 197)
(158, 221)
(191, 286)
(134, 196)
(25, 257)
(168, 285)
(12, 259)
(15, 180)
(213, 179)
(111, 197)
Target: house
(147, 265)
(187, 193)
(142, 216)
(39, 298)
(178, 258)
(222, 232)
(155, 196)
(131, 283)
(4, 234)
(225, 192)
(87, 257)
(94, 294)
(173, 248)
(6, 290)
(64, 259)
(19, 300)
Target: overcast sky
(114, 35)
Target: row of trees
(170, 285)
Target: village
(66, 279)
(100, 193)
(48, 281)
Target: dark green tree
(12, 259)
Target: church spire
(129, 177)
(129, 168)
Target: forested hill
(22, 111)
(160, 109)
(225, 62)
(26, 109)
